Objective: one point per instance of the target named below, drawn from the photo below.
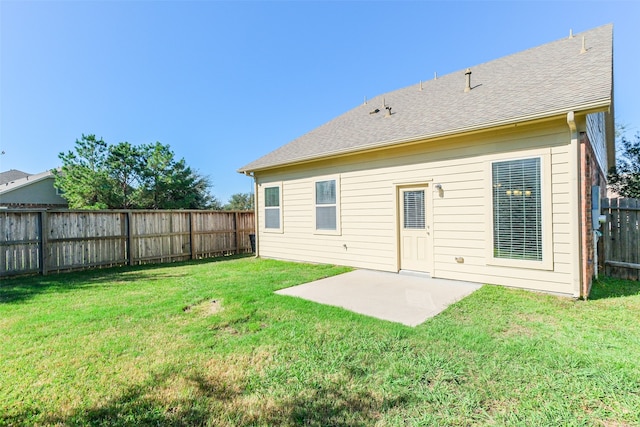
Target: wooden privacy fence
(621, 238)
(45, 241)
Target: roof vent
(435, 75)
(570, 33)
(584, 49)
(468, 76)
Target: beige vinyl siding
(459, 215)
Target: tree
(155, 174)
(100, 176)
(124, 164)
(171, 184)
(240, 202)
(624, 178)
(83, 176)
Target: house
(487, 175)
(22, 190)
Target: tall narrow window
(326, 206)
(517, 210)
(272, 207)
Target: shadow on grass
(609, 287)
(334, 405)
(19, 289)
(212, 401)
(149, 404)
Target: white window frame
(266, 186)
(338, 230)
(546, 211)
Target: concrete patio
(404, 298)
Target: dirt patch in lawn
(207, 307)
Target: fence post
(236, 231)
(192, 235)
(44, 242)
(129, 239)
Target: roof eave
(587, 108)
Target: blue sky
(225, 82)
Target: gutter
(575, 221)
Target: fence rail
(621, 236)
(46, 241)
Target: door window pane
(413, 207)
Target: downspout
(575, 221)
(255, 210)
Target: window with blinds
(413, 208)
(326, 207)
(272, 207)
(517, 209)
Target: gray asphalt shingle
(551, 79)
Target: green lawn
(209, 343)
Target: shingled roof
(545, 81)
(12, 175)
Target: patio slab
(403, 298)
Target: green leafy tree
(624, 178)
(240, 202)
(83, 176)
(100, 176)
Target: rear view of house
(487, 174)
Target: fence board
(42, 241)
(20, 242)
(621, 238)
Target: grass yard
(209, 343)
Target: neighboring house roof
(12, 175)
(545, 81)
(22, 182)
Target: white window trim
(338, 230)
(264, 207)
(547, 211)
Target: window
(272, 211)
(414, 209)
(327, 210)
(517, 210)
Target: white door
(413, 229)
